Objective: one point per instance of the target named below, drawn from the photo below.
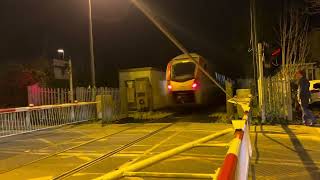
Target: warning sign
(60, 69)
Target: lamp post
(69, 64)
(61, 51)
(93, 73)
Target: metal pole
(93, 73)
(260, 82)
(70, 81)
(71, 89)
(253, 45)
(170, 175)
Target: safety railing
(235, 166)
(27, 119)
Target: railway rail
(96, 160)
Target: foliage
(294, 24)
(16, 76)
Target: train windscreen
(183, 71)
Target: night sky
(123, 36)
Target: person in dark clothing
(304, 96)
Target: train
(186, 84)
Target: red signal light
(194, 85)
(276, 52)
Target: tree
(15, 77)
(294, 41)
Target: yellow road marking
(42, 178)
(88, 173)
(86, 158)
(150, 149)
(46, 141)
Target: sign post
(70, 80)
(63, 71)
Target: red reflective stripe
(7, 110)
(228, 169)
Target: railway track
(109, 154)
(68, 149)
(97, 160)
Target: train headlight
(169, 87)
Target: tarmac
(285, 152)
(279, 152)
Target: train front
(183, 82)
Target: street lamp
(93, 73)
(61, 51)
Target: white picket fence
(48, 96)
(111, 105)
(278, 98)
(44, 96)
(108, 105)
(20, 120)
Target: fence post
(30, 95)
(229, 105)
(290, 118)
(100, 107)
(28, 119)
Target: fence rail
(27, 119)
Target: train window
(183, 71)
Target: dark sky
(123, 37)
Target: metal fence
(45, 96)
(27, 119)
(113, 105)
(278, 98)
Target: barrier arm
(31, 108)
(236, 162)
(131, 170)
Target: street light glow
(60, 51)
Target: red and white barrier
(228, 169)
(236, 162)
(31, 108)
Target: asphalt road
(279, 152)
(48, 154)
